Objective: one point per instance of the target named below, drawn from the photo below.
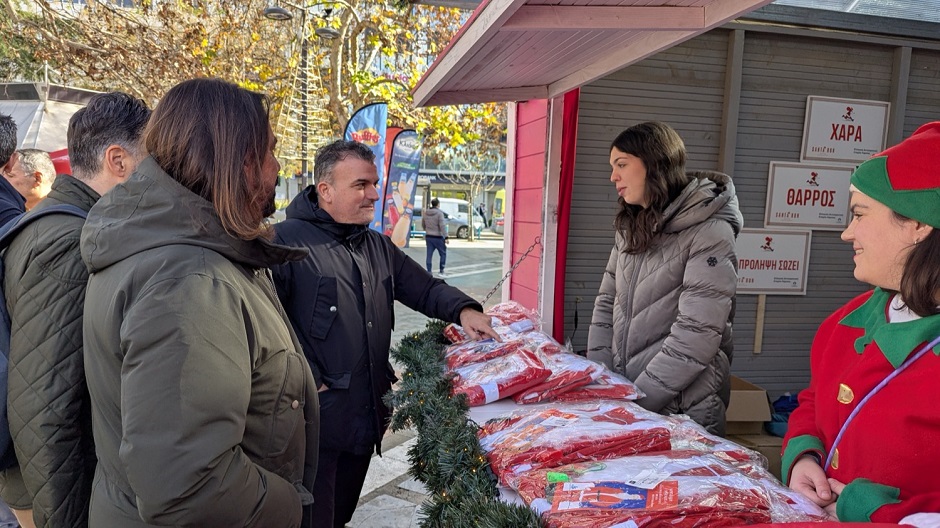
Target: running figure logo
(768, 241)
(812, 179)
(848, 114)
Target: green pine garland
(447, 456)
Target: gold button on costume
(846, 395)
(835, 460)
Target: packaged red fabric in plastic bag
(508, 319)
(569, 371)
(499, 378)
(467, 352)
(455, 333)
(543, 343)
(560, 434)
(674, 489)
(461, 354)
(606, 386)
(510, 312)
(688, 435)
(787, 506)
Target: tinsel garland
(447, 456)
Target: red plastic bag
(509, 319)
(678, 488)
(561, 434)
(468, 352)
(499, 378)
(512, 312)
(569, 371)
(606, 386)
(456, 334)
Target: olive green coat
(204, 408)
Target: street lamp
(278, 13)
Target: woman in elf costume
(863, 442)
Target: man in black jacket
(340, 300)
(12, 202)
(44, 283)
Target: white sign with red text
(772, 261)
(843, 130)
(807, 195)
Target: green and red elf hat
(906, 177)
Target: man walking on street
(435, 234)
(340, 300)
(44, 283)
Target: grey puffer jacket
(204, 409)
(663, 318)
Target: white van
(456, 212)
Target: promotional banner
(402, 185)
(843, 130)
(772, 261)
(390, 134)
(367, 126)
(808, 195)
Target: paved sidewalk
(390, 497)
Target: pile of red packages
(606, 386)
(569, 372)
(609, 462)
(674, 489)
(488, 369)
(585, 456)
(499, 378)
(561, 434)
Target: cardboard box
(748, 410)
(767, 445)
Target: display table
(449, 460)
(827, 525)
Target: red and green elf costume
(888, 455)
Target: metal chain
(537, 242)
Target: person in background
(341, 302)
(481, 208)
(862, 441)
(44, 283)
(10, 207)
(12, 203)
(205, 412)
(435, 235)
(663, 314)
(32, 175)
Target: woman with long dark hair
(863, 440)
(663, 314)
(204, 408)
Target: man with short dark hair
(44, 283)
(340, 300)
(32, 175)
(12, 203)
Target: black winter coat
(51, 420)
(340, 300)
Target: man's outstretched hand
(477, 324)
